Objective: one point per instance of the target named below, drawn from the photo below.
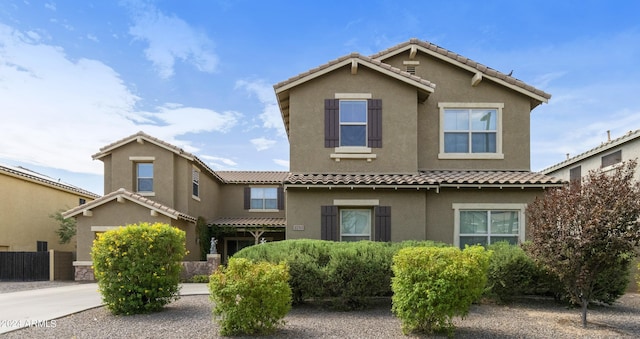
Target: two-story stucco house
(415, 142)
(606, 156)
(150, 180)
(27, 201)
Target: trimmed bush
(432, 285)
(138, 267)
(345, 273)
(250, 298)
(511, 272)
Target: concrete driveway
(39, 307)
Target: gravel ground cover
(10, 286)
(190, 317)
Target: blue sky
(78, 75)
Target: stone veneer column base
(83, 271)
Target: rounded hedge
(138, 267)
(250, 298)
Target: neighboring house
(150, 180)
(27, 201)
(607, 156)
(415, 142)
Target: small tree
(585, 232)
(67, 229)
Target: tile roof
(427, 178)
(143, 136)
(457, 58)
(136, 198)
(631, 135)
(23, 173)
(250, 222)
(282, 88)
(357, 57)
(253, 177)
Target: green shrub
(250, 298)
(346, 273)
(432, 285)
(138, 267)
(199, 279)
(511, 272)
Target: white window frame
(145, 193)
(365, 123)
(444, 106)
(520, 208)
(368, 210)
(264, 209)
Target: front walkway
(39, 307)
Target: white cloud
(270, 115)
(57, 112)
(262, 144)
(219, 163)
(171, 38)
(281, 162)
(50, 6)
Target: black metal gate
(24, 266)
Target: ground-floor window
(485, 224)
(355, 224)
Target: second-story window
(195, 183)
(353, 123)
(470, 131)
(264, 198)
(144, 177)
(611, 159)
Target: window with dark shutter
(382, 231)
(280, 198)
(331, 122)
(329, 223)
(374, 123)
(247, 198)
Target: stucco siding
(453, 84)
(407, 210)
(399, 119)
(25, 208)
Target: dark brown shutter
(329, 223)
(247, 198)
(280, 198)
(382, 226)
(331, 122)
(374, 122)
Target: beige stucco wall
(231, 202)
(399, 118)
(407, 210)
(172, 175)
(120, 214)
(440, 213)
(453, 84)
(415, 214)
(25, 207)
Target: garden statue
(213, 249)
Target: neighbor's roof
(120, 196)
(41, 179)
(631, 135)
(426, 179)
(353, 59)
(253, 177)
(466, 63)
(141, 137)
(250, 222)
